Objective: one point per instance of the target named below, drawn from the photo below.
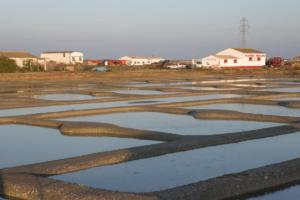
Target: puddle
(36, 110)
(208, 88)
(184, 168)
(161, 84)
(179, 124)
(66, 97)
(289, 99)
(290, 194)
(249, 85)
(256, 109)
(198, 98)
(291, 83)
(140, 92)
(144, 84)
(21, 145)
(291, 90)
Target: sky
(174, 29)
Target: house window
(259, 59)
(64, 55)
(80, 58)
(225, 61)
(235, 61)
(250, 59)
(73, 59)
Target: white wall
(141, 61)
(243, 60)
(64, 58)
(21, 61)
(211, 61)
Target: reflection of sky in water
(21, 145)
(292, 89)
(256, 109)
(292, 193)
(207, 88)
(180, 124)
(35, 110)
(183, 168)
(145, 84)
(140, 92)
(66, 97)
(288, 99)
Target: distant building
(138, 61)
(236, 58)
(92, 62)
(114, 62)
(21, 58)
(63, 57)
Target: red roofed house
(236, 58)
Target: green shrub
(31, 66)
(7, 65)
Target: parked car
(100, 69)
(177, 66)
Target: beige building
(21, 58)
(63, 57)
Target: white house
(63, 57)
(21, 58)
(138, 61)
(236, 58)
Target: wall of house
(63, 58)
(141, 61)
(244, 60)
(230, 62)
(211, 61)
(76, 57)
(21, 61)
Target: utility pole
(244, 30)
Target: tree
(7, 65)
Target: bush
(31, 66)
(7, 65)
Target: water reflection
(36, 110)
(20, 145)
(140, 92)
(256, 109)
(66, 97)
(291, 90)
(179, 169)
(179, 124)
(292, 193)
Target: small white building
(139, 61)
(21, 58)
(236, 58)
(63, 57)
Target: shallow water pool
(292, 193)
(66, 97)
(20, 145)
(140, 92)
(179, 124)
(60, 108)
(207, 88)
(255, 109)
(183, 168)
(291, 89)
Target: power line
(244, 30)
